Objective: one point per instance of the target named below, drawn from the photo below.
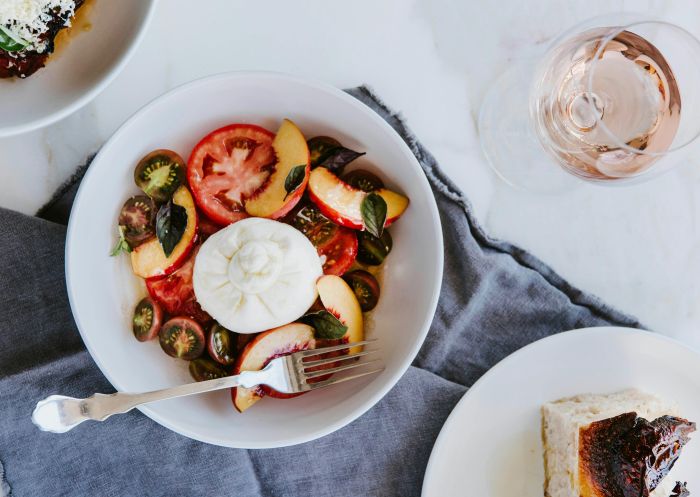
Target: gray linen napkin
(495, 299)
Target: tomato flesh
(175, 292)
(339, 252)
(229, 166)
(336, 245)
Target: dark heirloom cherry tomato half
(336, 245)
(182, 338)
(366, 288)
(320, 147)
(148, 317)
(138, 220)
(204, 369)
(176, 293)
(363, 180)
(372, 250)
(159, 174)
(228, 166)
(222, 345)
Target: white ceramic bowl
(79, 71)
(103, 290)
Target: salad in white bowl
(257, 247)
(405, 265)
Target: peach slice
(341, 202)
(148, 259)
(261, 350)
(291, 151)
(340, 300)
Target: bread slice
(562, 421)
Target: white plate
(103, 290)
(490, 445)
(80, 70)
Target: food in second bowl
(259, 246)
(28, 29)
(615, 445)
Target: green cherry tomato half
(182, 338)
(204, 369)
(222, 345)
(320, 147)
(372, 250)
(159, 174)
(148, 317)
(363, 180)
(366, 288)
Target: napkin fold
(495, 299)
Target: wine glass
(614, 100)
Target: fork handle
(59, 413)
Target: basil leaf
(338, 158)
(171, 222)
(122, 245)
(294, 179)
(11, 42)
(373, 209)
(320, 147)
(326, 325)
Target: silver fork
(287, 374)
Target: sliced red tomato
(336, 245)
(340, 252)
(175, 292)
(206, 226)
(228, 166)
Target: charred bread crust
(628, 456)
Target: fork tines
(333, 348)
(313, 369)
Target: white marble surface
(636, 247)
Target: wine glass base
(508, 140)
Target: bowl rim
(94, 91)
(390, 381)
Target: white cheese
(256, 274)
(28, 19)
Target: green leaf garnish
(122, 245)
(294, 179)
(373, 210)
(11, 42)
(326, 325)
(171, 222)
